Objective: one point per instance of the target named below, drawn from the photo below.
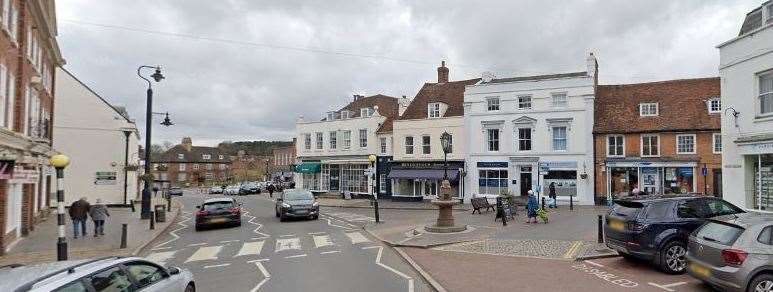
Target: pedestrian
(635, 192)
(79, 211)
(99, 214)
(271, 190)
(552, 195)
(531, 208)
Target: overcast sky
(247, 69)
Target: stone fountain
(445, 220)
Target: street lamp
(445, 141)
(146, 191)
(372, 159)
(60, 162)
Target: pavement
(384, 204)
(40, 245)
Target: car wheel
(190, 288)
(316, 217)
(672, 259)
(761, 283)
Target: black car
(219, 211)
(175, 191)
(248, 189)
(657, 228)
(296, 203)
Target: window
(333, 140)
(685, 144)
(145, 274)
(223, 166)
(433, 110)
(382, 183)
(616, 146)
(409, 145)
(182, 167)
(383, 144)
(492, 181)
(450, 144)
(720, 208)
(559, 138)
(524, 102)
(344, 115)
(559, 99)
(112, 279)
(318, 140)
(648, 109)
(331, 116)
(206, 156)
(492, 139)
(307, 141)
(180, 156)
(426, 144)
(9, 121)
(6, 13)
(3, 93)
(716, 142)
(766, 236)
(363, 138)
(195, 166)
(724, 234)
(766, 93)
(492, 103)
(14, 23)
(524, 139)
(688, 209)
(366, 112)
(347, 139)
(659, 210)
(76, 286)
(715, 105)
(650, 145)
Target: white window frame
(182, 167)
(694, 143)
(518, 139)
(489, 140)
(555, 102)
(382, 183)
(426, 144)
(760, 94)
(410, 146)
(623, 144)
(648, 106)
(383, 145)
(333, 140)
(319, 140)
(521, 102)
(206, 156)
(195, 166)
(641, 145)
(716, 137)
(347, 139)
(180, 156)
(307, 141)
(345, 114)
(710, 105)
(366, 112)
(223, 166)
(221, 157)
(450, 144)
(553, 138)
(433, 110)
(493, 104)
(11, 114)
(363, 138)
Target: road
(329, 254)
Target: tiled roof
(682, 106)
(537, 77)
(387, 107)
(193, 156)
(449, 93)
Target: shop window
(763, 169)
(492, 139)
(426, 146)
(524, 139)
(565, 182)
(716, 143)
(678, 180)
(409, 145)
(524, 102)
(559, 138)
(685, 144)
(492, 103)
(492, 182)
(616, 146)
(766, 93)
(353, 178)
(623, 180)
(311, 181)
(382, 183)
(650, 145)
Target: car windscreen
(218, 205)
(297, 196)
(721, 233)
(627, 209)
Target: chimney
(402, 105)
(187, 143)
(442, 73)
(593, 66)
(357, 96)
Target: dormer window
(433, 110)
(206, 156)
(366, 112)
(180, 156)
(344, 114)
(715, 105)
(331, 116)
(221, 157)
(648, 109)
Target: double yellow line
(576, 246)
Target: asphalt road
(329, 254)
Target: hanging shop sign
(105, 178)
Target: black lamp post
(445, 141)
(146, 190)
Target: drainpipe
(126, 171)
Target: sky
(248, 69)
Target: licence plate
(700, 270)
(616, 225)
(218, 220)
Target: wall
(353, 124)
(434, 128)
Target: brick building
(29, 54)
(249, 167)
(660, 137)
(188, 165)
(283, 163)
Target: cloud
(264, 63)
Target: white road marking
(595, 264)
(668, 286)
(215, 266)
(357, 237)
(329, 222)
(258, 260)
(205, 253)
(161, 257)
(227, 241)
(173, 233)
(295, 256)
(353, 217)
(162, 248)
(371, 247)
(198, 244)
(258, 226)
(393, 270)
(316, 233)
(266, 276)
(328, 252)
(287, 235)
(250, 248)
(322, 241)
(287, 243)
(604, 275)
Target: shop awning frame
(308, 167)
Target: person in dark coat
(552, 195)
(99, 214)
(270, 188)
(531, 208)
(79, 212)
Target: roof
(192, 156)
(753, 20)
(449, 93)
(387, 107)
(537, 77)
(681, 106)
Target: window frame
(307, 141)
(88, 279)
(491, 106)
(521, 101)
(714, 141)
(694, 144)
(553, 138)
(406, 146)
(383, 144)
(642, 106)
(433, 110)
(135, 281)
(181, 156)
(770, 239)
(562, 104)
(347, 139)
(493, 141)
(333, 140)
(426, 145)
(622, 142)
(362, 140)
(760, 94)
(710, 105)
(519, 139)
(206, 156)
(366, 112)
(641, 145)
(319, 140)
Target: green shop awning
(308, 167)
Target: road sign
(543, 170)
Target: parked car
(296, 203)
(231, 190)
(175, 191)
(248, 188)
(734, 253)
(657, 228)
(103, 274)
(218, 211)
(216, 190)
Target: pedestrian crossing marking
(205, 253)
(161, 257)
(322, 241)
(353, 217)
(250, 248)
(287, 244)
(332, 251)
(357, 237)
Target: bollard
(132, 204)
(571, 203)
(124, 231)
(152, 220)
(168, 203)
(543, 203)
(601, 229)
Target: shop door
(417, 187)
(717, 173)
(525, 183)
(335, 177)
(650, 181)
(430, 190)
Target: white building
(746, 70)
(525, 132)
(100, 140)
(333, 153)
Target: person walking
(531, 208)
(552, 195)
(271, 190)
(99, 214)
(79, 211)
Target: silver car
(734, 253)
(104, 274)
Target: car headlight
(315, 204)
(286, 205)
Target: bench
(480, 203)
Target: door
(525, 183)
(717, 182)
(335, 177)
(650, 180)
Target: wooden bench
(480, 203)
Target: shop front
(651, 177)
(417, 181)
(334, 176)
(758, 167)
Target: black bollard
(168, 203)
(601, 229)
(571, 203)
(132, 205)
(124, 231)
(543, 203)
(152, 220)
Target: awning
(308, 167)
(434, 174)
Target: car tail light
(734, 257)
(202, 213)
(636, 226)
(235, 210)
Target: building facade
(746, 70)
(283, 163)
(658, 137)
(524, 133)
(248, 167)
(102, 145)
(333, 153)
(187, 165)
(418, 167)
(29, 54)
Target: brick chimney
(187, 143)
(442, 73)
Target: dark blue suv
(657, 228)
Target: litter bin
(347, 195)
(160, 213)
